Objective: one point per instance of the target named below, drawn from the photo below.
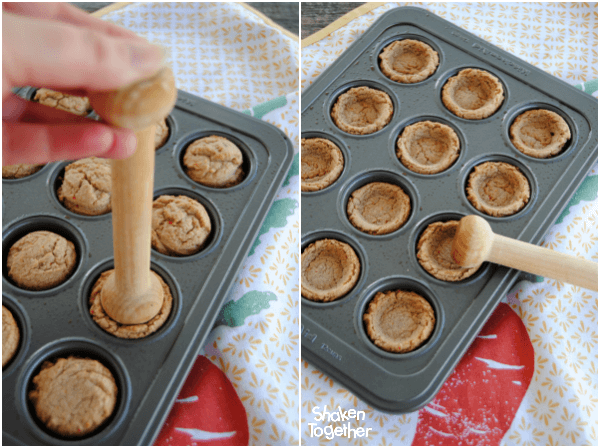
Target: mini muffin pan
(333, 334)
(56, 323)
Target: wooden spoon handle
(132, 190)
(545, 262)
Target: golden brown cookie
(73, 396)
(214, 161)
(86, 186)
(539, 133)
(180, 225)
(399, 321)
(428, 147)
(330, 269)
(75, 104)
(322, 163)
(473, 94)
(378, 208)
(41, 260)
(498, 189)
(162, 134)
(362, 110)
(408, 61)
(434, 251)
(128, 331)
(20, 171)
(10, 336)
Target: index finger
(67, 13)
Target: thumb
(43, 143)
(61, 55)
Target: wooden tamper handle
(475, 243)
(133, 293)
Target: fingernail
(146, 58)
(105, 140)
(129, 145)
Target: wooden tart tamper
(133, 294)
(474, 243)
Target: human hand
(59, 46)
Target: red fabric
(207, 411)
(478, 402)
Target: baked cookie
(539, 133)
(128, 331)
(362, 110)
(214, 161)
(473, 94)
(399, 321)
(86, 186)
(10, 336)
(75, 104)
(498, 189)
(330, 269)
(322, 163)
(73, 396)
(20, 171)
(378, 208)
(428, 147)
(408, 61)
(434, 252)
(41, 260)
(180, 225)
(162, 134)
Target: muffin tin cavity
(408, 61)
(473, 94)
(216, 222)
(428, 147)
(55, 181)
(358, 251)
(32, 91)
(415, 238)
(380, 47)
(248, 158)
(330, 105)
(468, 170)
(395, 283)
(388, 177)
(20, 316)
(425, 169)
(36, 172)
(18, 229)
(322, 163)
(172, 128)
(520, 109)
(452, 73)
(86, 289)
(345, 155)
(81, 348)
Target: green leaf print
(277, 217)
(587, 191)
(235, 312)
(263, 109)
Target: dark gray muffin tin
(333, 334)
(150, 371)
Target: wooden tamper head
(472, 242)
(133, 294)
(475, 242)
(138, 105)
